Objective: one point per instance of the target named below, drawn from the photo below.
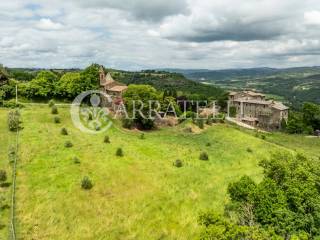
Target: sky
(145, 34)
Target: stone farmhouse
(111, 87)
(252, 108)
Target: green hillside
(168, 81)
(138, 196)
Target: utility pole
(16, 93)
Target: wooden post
(16, 93)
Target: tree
(311, 115)
(43, 85)
(219, 228)
(70, 85)
(295, 124)
(286, 200)
(141, 97)
(3, 75)
(89, 78)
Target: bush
(12, 104)
(64, 131)
(263, 137)
(204, 156)
(127, 123)
(68, 144)
(142, 136)
(86, 183)
(51, 103)
(54, 109)
(56, 119)
(119, 152)
(76, 160)
(106, 139)
(200, 123)
(3, 176)
(12, 154)
(249, 150)
(14, 120)
(208, 144)
(177, 163)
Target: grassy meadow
(138, 196)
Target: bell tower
(102, 76)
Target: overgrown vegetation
(14, 120)
(86, 183)
(64, 131)
(285, 202)
(119, 152)
(204, 156)
(68, 144)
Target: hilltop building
(111, 87)
(252, 108)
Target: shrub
(64, 131)
(54, 109)
(86, 183)
(200, 123)
(127, 123)
(106, 139)
(204, 156)
(76, 160)
(177, 163)
(98, 128)
(119, 152)
(68, 144)
(12, 154)
(3, 176)
(51, 103)
(249, 150)
(208, 144)
(56, 119)
(12, 104)
(209, 121)
(142, 136)
(263, 137)
(90, 116)
(14, 120)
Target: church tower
(102, 76)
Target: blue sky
(155, 34)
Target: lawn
(138, 196)
(7, 140)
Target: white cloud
(312, 17)
(162, 33)
(48, 24)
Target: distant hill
(295, 85)
(227, 74)
(163, 80)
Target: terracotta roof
(280, 106)
(118, 88)
(253, 93)
(262, 102)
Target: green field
(138, 196)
